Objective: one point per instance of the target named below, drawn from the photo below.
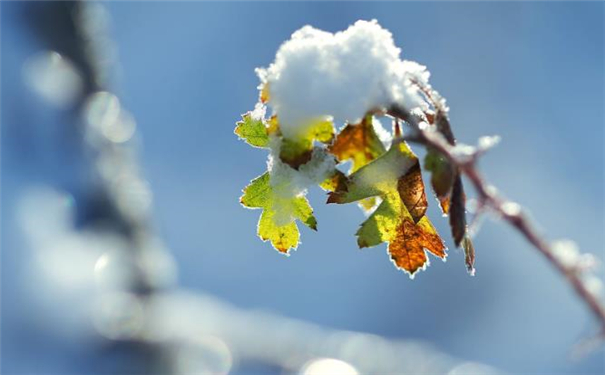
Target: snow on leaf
(277, 222)
(298, 151)
(253, 131)
(400, 219)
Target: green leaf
(304, 212)
(253, 131)
(277, 222)
(257, 194)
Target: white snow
(384, 135)
(567, 252)
(288, 182)
(259, 112)
(317, 74)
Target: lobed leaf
(282, 237)
(277, 221)
(360, 144)
(400, 219)
(253, 131)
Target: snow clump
(317, 74)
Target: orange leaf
(407, 249)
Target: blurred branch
(170, 331)
(465, 159)
(269, 338)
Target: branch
(464, 158)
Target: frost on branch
(325, 92)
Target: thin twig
(508, 211)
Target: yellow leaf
(277, 222)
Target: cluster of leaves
(387, 183)
(277, 222)
(393, 175)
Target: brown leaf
(411, 191)
(358, 143)
(457, 211)
(407, 249)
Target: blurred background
(124, 247)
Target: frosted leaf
(319, 167)
(288, 182)
(343, 75)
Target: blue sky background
(532, 72)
